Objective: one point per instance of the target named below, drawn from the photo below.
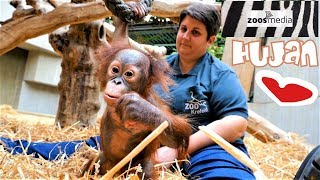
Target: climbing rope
(122, 10)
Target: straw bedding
(278, 160)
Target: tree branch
(22, 29)
(172, 8)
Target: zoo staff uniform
(210, 91)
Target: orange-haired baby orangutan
(133, 110)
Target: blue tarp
(47, 150)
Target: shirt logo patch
(196, 106)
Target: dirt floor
(278, 160)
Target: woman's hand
(229, 128)
(166, 156)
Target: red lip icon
(290, 93)
(286, 91)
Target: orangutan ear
(150, 82)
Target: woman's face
(191, 41)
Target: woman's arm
(229, 128)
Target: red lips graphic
(286, 91)
(290, 93)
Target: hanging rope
(122, 10)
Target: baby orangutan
(133, 110)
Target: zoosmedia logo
(270, 18)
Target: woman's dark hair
(207, 14)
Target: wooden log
(264, 130)
(136, 150)
(169, 8)
(19, 30)
(241, 156)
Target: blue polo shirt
(210, 91)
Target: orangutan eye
(128, 74)
(115, 69)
